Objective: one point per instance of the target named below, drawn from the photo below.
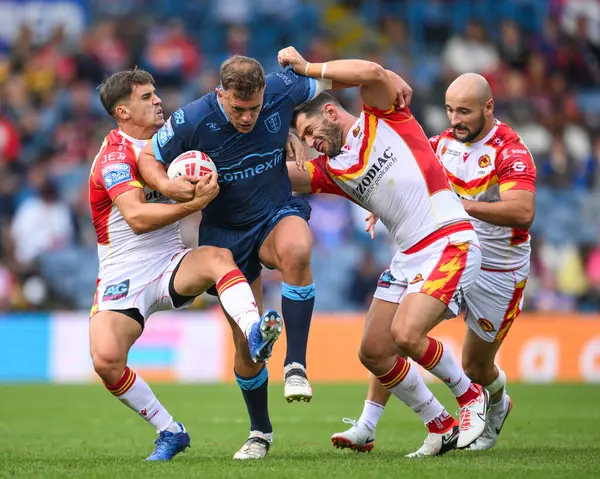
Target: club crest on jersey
(179, 117)
(356, 131)
(273, 122)
(417, 279)
(486, 325)
(165, 133)
(116, 174)
(386, 279)
(484, 161)
(444, 149)
(113, 292)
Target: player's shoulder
(196, 111)
(444, 137)
(281, 82)
(116, 148)
(507, 142)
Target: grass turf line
(54, 431)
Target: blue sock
(254, 391)
(297, 306)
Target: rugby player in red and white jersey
(493, 172)
(144, 266)
(383, 161)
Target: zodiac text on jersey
(374, 174)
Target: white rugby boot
(256, 446)
(495, 421)
(297, 387)
(472, 417)
(438, 444)
(359, 437)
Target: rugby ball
(191, 163)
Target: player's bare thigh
(377, 347)
(243, 364)
(111, 336)
(287, 248)
(201, 268)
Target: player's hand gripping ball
(191, 163)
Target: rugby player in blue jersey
(243, 127)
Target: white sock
(440, 362)
(237, 299)
(498, 384)
(407, 385)
(135, 393)
(371, 414)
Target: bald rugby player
(493, 173)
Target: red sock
(441, 424)
(472, 393)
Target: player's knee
(220, 257)
(369, 355)
(407, 341)
(109, 365)
(294, 257)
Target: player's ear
(122, 112)
(329, 111)
(489, 106)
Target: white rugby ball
(191, 163)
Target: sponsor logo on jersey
(452, 152)
(373, 175)
(417, 279)
(285, 77)
(273, 122)
(386, 279)
(165, 133)
(519, 166)
(238, 171)
(484, 161)
(116, 174)
(113, 292)
(518, 152)
(179, 117)
(154, 196)
(486, 325)
(213, 127)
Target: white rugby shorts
(494, 301)
(144, 286)
(445, 269)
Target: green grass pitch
(50, 431)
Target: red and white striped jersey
(387, 166)
(113, 172)
(482, 171)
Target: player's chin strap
(498, 384)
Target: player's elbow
(136, 223)
(374, 73)
(525, 218)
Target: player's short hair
(315, 106)
(244, 75)
(119, 86)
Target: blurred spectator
(364, 281)
(41, 224)
(471, 52)
(558, 169)
(511, 45)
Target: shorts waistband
(439, 234)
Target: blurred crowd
(542, 59)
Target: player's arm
(377, 88)
(143, 217)
(176, 136)
(300, 179)
(516, 178)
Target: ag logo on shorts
(486, 325)
(114, 292)
(273, 122)
(386, 279)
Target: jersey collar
(221, 107)
(137, 142)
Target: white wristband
(306, 69)
(323, 68)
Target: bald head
(470, 107)
(470, 86)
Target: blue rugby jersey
(253, 176)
